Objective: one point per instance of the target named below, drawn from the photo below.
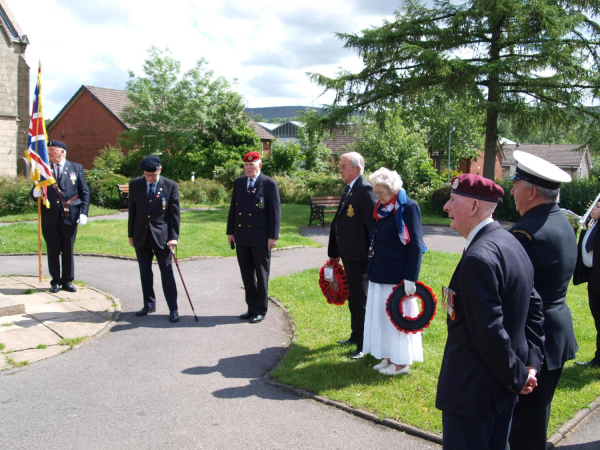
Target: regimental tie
(346, 193)
(57, 172)
(151, 192)
(250, 184)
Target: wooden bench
(319, 206)
(123, 194)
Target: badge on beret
(455, 183)
(249, 158)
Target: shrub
(14, 196)
(438, 199)
(297, 187)
(109, 159)
(103, 187)
(578, 194)
(202, 191)
(285, 158)
(228, 172)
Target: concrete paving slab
(7, 281)
(3, 364)
(18, 338)
(18, 320)
(34, 281)
(36, 354)
(9, 306)
(38, 298)
(81, 294)
(78, 325)
(97, 305)
(55, 310)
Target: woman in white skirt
(396, 249)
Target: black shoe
(257, 318)
(54, 288)
(174, 316)
(246, 316)
(346, 342)
(356, 355)
(68, 286)
(592, 363)
(145, 311)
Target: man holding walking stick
(154, 220)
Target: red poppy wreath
(394, 308)
(335, 291)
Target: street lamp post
(452, 128)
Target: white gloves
(410, 287)
(82, 219)
(38, 193)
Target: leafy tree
(109, 159)
(398, 148)
(535, 61)
(317, 157)
(285, 159)
(195, 121)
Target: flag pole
(40, 238)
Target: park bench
(319, 206)
(123, 194)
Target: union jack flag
(37, 152)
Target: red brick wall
(86, 127)
(475, 165)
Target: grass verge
(316, 363)
(202, 234)
(94, 211)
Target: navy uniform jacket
(551, 245)
(161, 217)
(584, 273)
(496, 333)
(349, 234)
(254, 217)
(72, 183)
(393, 261)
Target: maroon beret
(476, 186)
(251, 157)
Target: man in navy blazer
(253, 226)
(548, 238)
(59, 227)
(153, 229)
(495, 338)
(349, 240)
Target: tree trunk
(491, 123)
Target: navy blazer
(349, 234)
(497, 330)
(72, 183)
(551, 245)
(161, 217)
(254, 216)
(392, 261)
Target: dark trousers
(594, 299)
(489, 432)
(145, 255)
(254, 265)
(60, 240)
(530, 418)
(357, 273)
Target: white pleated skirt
(381, 338)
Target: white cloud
(267, 45)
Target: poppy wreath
(328, 288)
(395, 310)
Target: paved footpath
(151, 384)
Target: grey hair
(356, 159)
(388, 178)
(549, 195)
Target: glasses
(448, 301)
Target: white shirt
(587, 258)
(475, 230)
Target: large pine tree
(536, 61)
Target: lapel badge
(350, 211)
(73, 177)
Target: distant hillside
(276, 112)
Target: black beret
(150, 163)
(60, 144)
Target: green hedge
(297, 187)
(202, 191)
(14, 196)
(103, 187)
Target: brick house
(14, 93)
(90, 121)
(576, 161)
(266, 138)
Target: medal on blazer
(448, 301)
(164, 203)
(73, 177)
(350, 211)
(261, 203)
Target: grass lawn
(94, 211)
(202, 234)
(316, 363)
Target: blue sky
(266, 45)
